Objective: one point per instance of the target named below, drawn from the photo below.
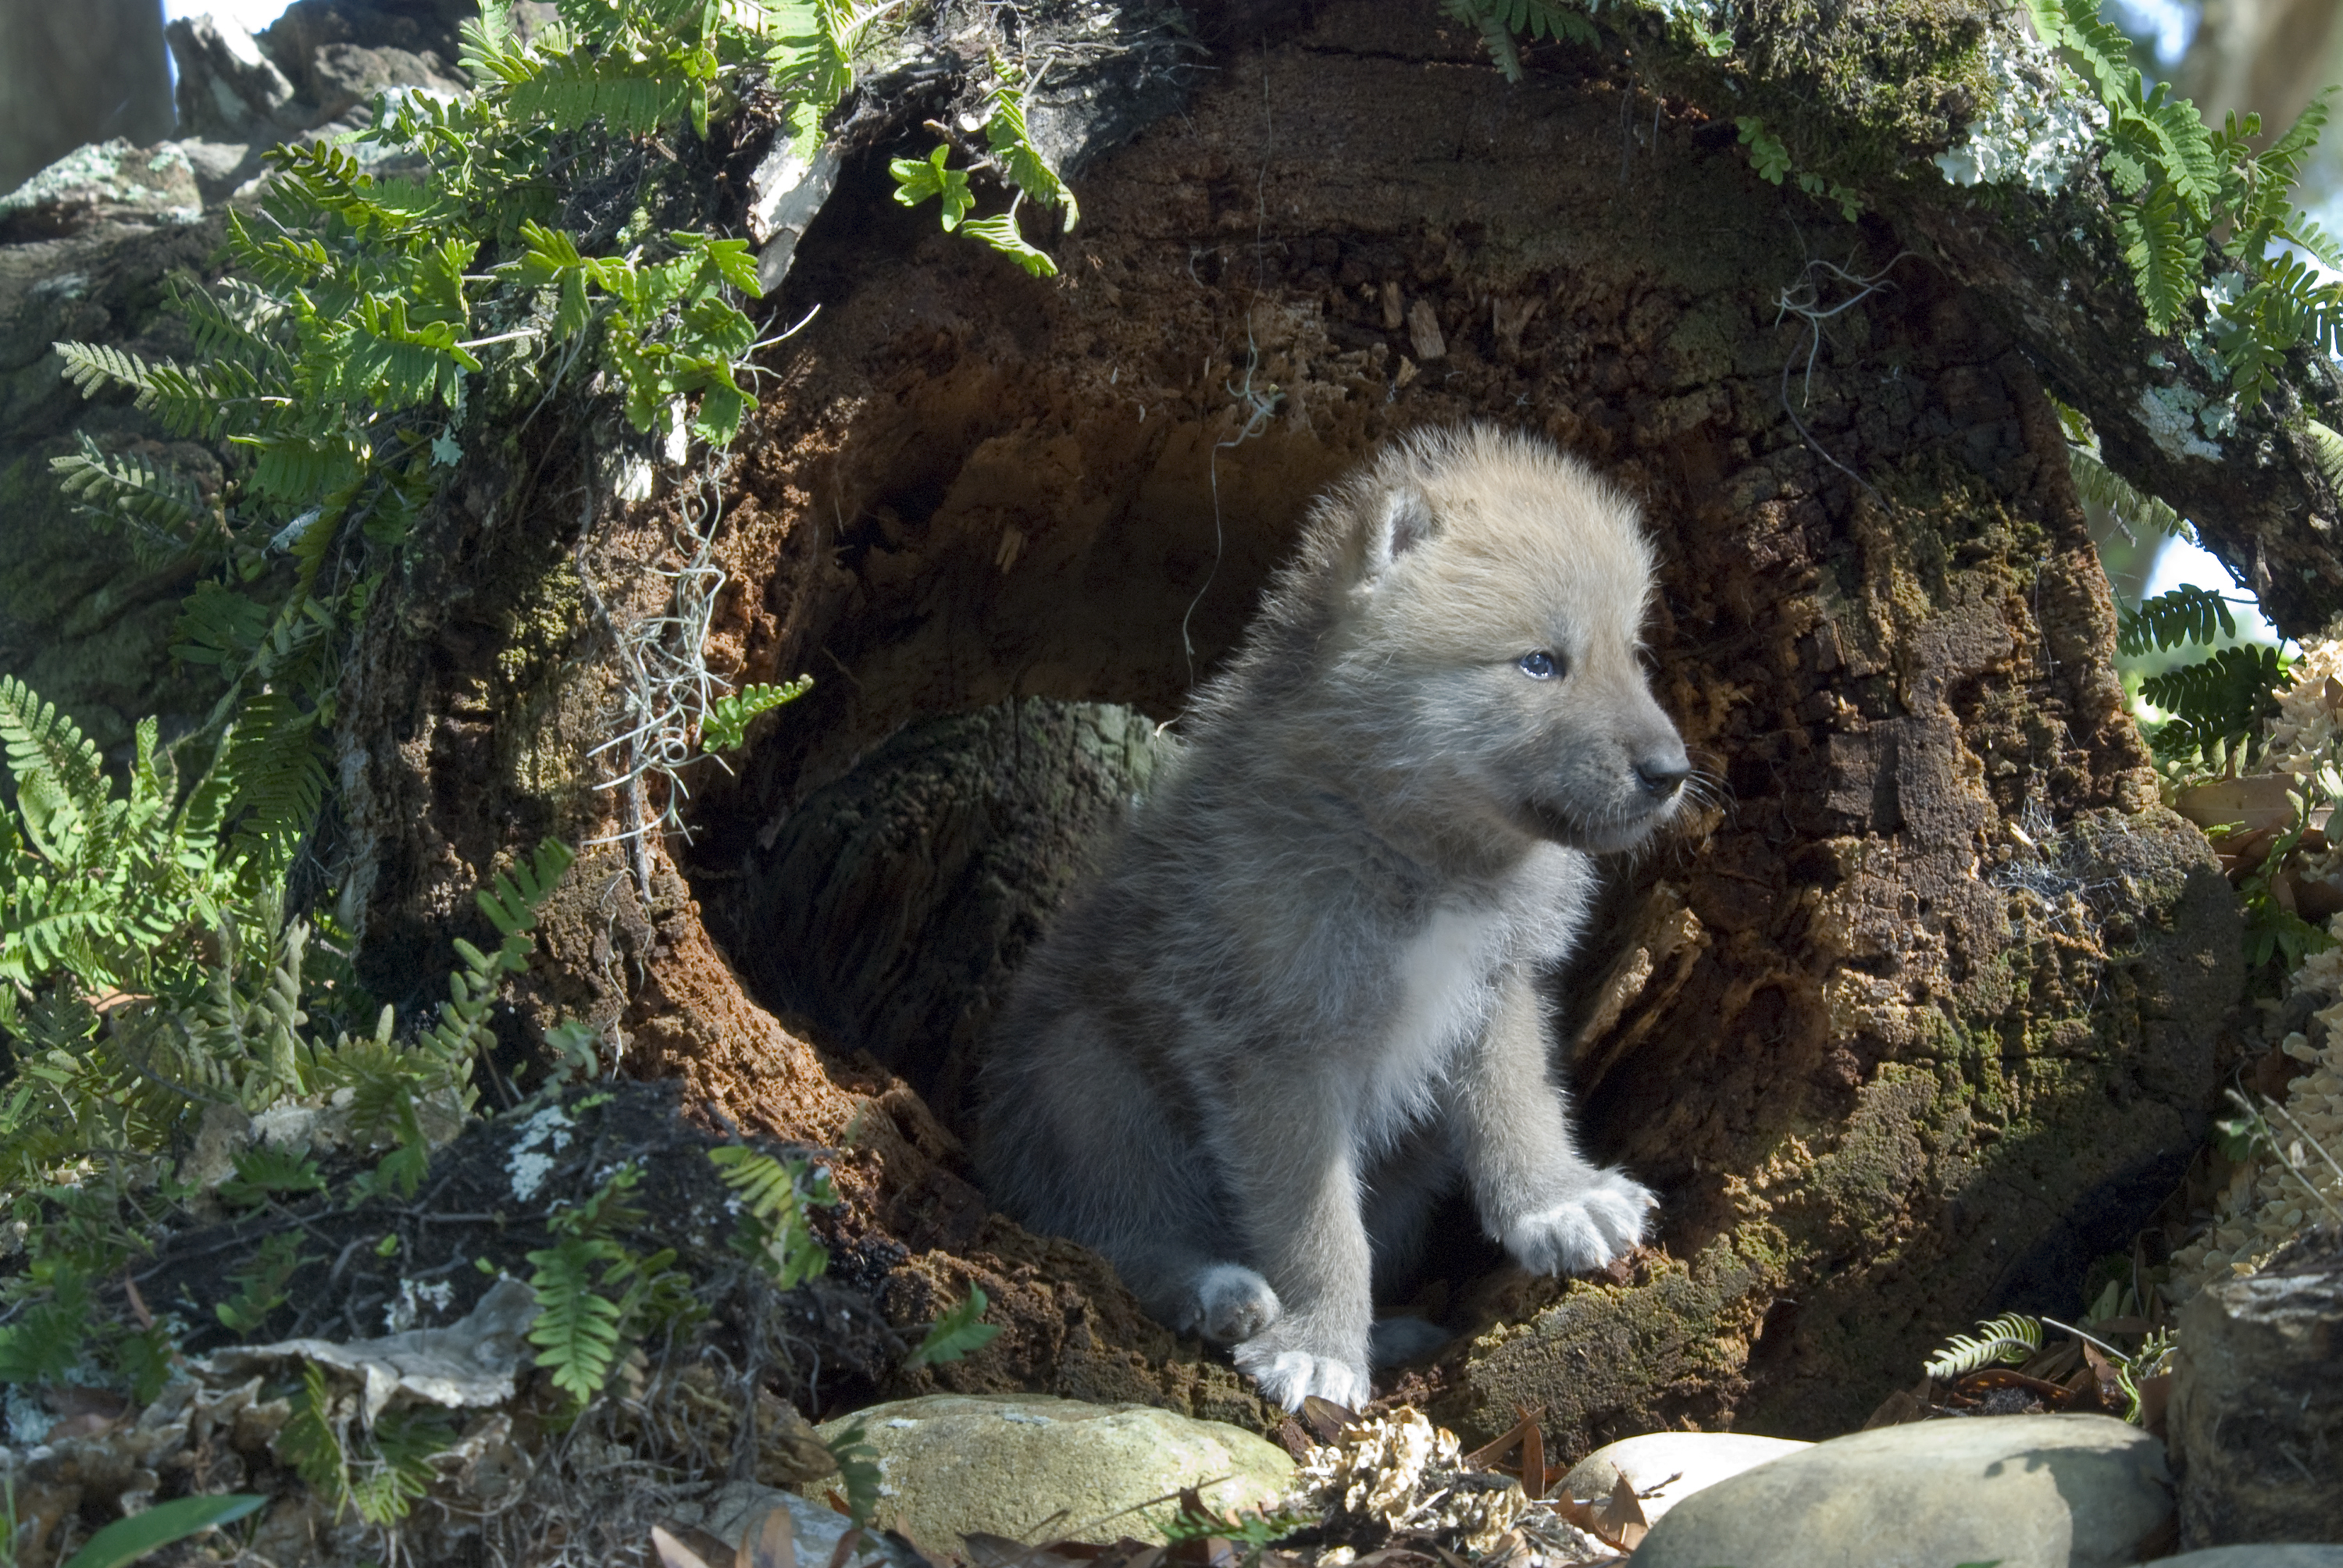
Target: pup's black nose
(1662, 776)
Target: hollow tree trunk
(1918, 1019)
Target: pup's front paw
(1586, 1230)
(1233, 1303)
(1290, 1376)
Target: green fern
(2218, 705)
(1502, 22)
(774, 1198)
(2099, 485)
(395, 1468)
(593, 1295)
(311, 1441)
(260, 1285)
(2186, 614)
(959, 1331)
(162, 512)
(729, 717)
(2011, 1339)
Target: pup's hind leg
(1076, 1145)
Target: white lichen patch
(2170, 415)
(542, 1136)
(2038, 129)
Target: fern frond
(2326, 447)
(2217, 703)
(729, 717)
(2166, 254)
(61, 784)
(162, 512)
(2011, 1338)
(2186, 614)
(512, 901)
(94, 366)
(631, 97)
(1005, 133)
(576, 1329)
(278, 771)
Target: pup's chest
(1447, 976)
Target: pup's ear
(1401, 521)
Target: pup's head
(1488, 596)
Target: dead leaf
(1292, 1438)
(1619, 1518)
(775, 1542)
(1325, 1419)
(674, 1553)
(846, 1542)
(1903, 1406)
(1971, 1386)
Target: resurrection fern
(2010, 1339)
(260, 1287)
(859, 1474)
(1010, 156)
(727, 724)
(960, 1330)
(110, 888)
(774, 1197)
(387, 1474)
(340, 364)
(1502, 22)
(2184, 615)
(2218, 705)
(2190, 192)
(594, 1296)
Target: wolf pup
(1299, 999)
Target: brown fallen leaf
(1903, 1406)
(773, 1543)
(1326, 1420)
(675, 1552)
(1619, 1518)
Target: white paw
(1289, 1377)
(1598, 1223)
(1233, 1303)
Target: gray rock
(2027, 1491)
(80, 73)
(106, 183)
(2257, 1416)
(1040, 1469)
(1667, 1467)
(2294, 1556)
(229, 90)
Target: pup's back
(1380, 820)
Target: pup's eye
(1541, 665)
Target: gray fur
(1296, 1003)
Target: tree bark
(1920, 1019)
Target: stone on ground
(2024, 1491)
(2291, 1556)
(1040, 1469)
(1667, 1467)
(2257, 1414)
